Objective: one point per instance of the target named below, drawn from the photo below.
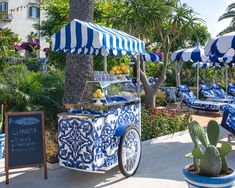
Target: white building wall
(21, 23)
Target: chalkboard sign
(25, 141)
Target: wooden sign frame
(44, 163)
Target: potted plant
(2, 135)
(209, 168)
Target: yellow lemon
(94, 95)
(114, 68)
(101, 95)
(98, 91)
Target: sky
(210, 11)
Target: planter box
(2, 145)
(197, 181)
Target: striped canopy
(153, 57)
(221, 45)
(89, 39)
(195, 54)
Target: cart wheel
(129, 152)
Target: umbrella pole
(198, 81)
(226, 69)
(138, 75)
(105, 64)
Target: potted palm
(209, 168)
(2, 135)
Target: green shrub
(162, 122)
(24, 90)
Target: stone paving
(161, 167)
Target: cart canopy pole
(105, 64)
(138, 74)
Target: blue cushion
(204, 87)
(183, 88)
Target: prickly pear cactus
(197, 134)
(211, 163)
(213, 132)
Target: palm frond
(230, 7)
(229, 14)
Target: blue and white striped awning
(153, 57)
(195, 54)
(221, 45)
(90, 39)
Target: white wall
(21, 23)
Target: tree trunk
(79, 68)
(150, 91)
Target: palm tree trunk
(79, 68)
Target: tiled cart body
(91, 143)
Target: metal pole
(105, 64)
(226, 69)
(138, 74)
(198, 81)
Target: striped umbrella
(195, 54)
(153, 57)
(221, 45)
(89, 39)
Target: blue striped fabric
(89, 39)
(221, 45)
(153, 57)
(195, 54)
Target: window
(34, 12)
(4, 15)
(3, 7)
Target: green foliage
(1, 119)
(7, 40)
(213, 161)
(25, 90)
(57, 13)
(161, 122)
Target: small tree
(161, 21)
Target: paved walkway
(160, 167)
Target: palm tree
(79, 68)
(230, 13)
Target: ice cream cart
(103, 129)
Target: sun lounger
(231, 89)
(207, 92)
(228, 120)
(191, 100)
(220, 92)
